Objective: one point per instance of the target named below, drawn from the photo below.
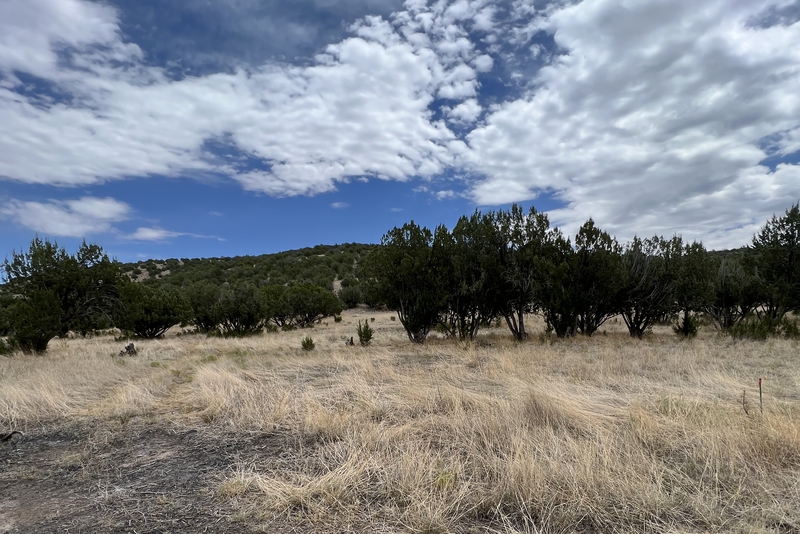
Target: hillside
(321, 265)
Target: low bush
(761, 328)
(365, 333)
(351, 296)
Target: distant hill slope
(737, 253)
(320, 265)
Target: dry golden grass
(604, 434)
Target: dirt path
(122, 479)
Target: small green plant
(337, 318)
(307, 343)
(365, 333)
(392, 318)
(372, 319)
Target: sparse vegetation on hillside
(319, 265)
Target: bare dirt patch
(142, 478)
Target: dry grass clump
(605, 434)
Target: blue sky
(165, 128)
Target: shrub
(349, 282)
(204, 297)
(337, 318)
(307, 343)
(309, 303)
(350, 296)
(34, 321)
(760, 328)
(242, 311)
(365, 333)
(148, 312)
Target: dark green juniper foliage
(242, 310)
(203, 298)
(402, 274)
(365, 333)
(692, 269)
(49, 292)
(735, 293)
(776, 254)
(149, 311)
(35, 320)
(351, 296)
(470, 273)
(279, 312)
(598, 275)
(318, 265)
(309, 303)
(559, 292)
(648, 291)
(526, 239)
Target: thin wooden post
(760, 398)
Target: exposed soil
(123, 478)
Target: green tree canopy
(470, 273)
(148, 312)
(310, 303)
(526, 239)
(402, 274)
(242, 310)
(53, 292)
(776, 251)
(203, 298)
(598, 277)
(648, 290)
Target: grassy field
(603, 434)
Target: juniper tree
(402, 274)
(598, 277)
(736, 292)
(648, 291)
(148, 311)
(776, 251)
(525, 240)
(54, 292)
(470, 273)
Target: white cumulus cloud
(653, 121)
(159, 234)
(361, 110)
(69, 218)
